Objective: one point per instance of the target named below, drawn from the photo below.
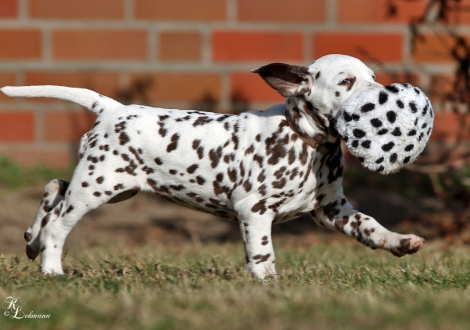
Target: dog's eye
(345, 82)
(373, 77)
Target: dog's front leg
(256, 233)
(341, 216)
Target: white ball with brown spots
(386, 128)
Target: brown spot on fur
(259, 159)
(275, 147)
(232, 174)
(264, 240)
(191, 169)
(215, 156)
(291, 156)
(247, 185)
(45, 220)
(279, 173)
(218, 189)
(250, 150)
(202, 121)
(279, 184)
(174, 143)
(178, 187)
(119, 186)
(259, 207)
(261, 258)
(200, 152)
(304, 154)
(262, 190)
(340, 223)
(136, 155)
(123, 138)
(261, 177)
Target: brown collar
(314, 143)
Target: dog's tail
(84, 97)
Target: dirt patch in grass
(147, 219)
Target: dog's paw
(31, 252)
(52, 269)
(53, 272)
(407, 244)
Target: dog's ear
(287, 79)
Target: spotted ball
(386, 128)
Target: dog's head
(327, 83)
(385, 127)
(316, 93)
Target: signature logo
(13, 310)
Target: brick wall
(189, 54)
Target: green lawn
(339, 286)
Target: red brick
(441, 85)
(257, 46)
(67, 126)
(201, 10)
(16, 126)
(435, 48)
(282, 11)
(368, 47)
(252, 88)
(6, 79)
(457, 11)
(188, 87)
(460, 13)
(34, 156)
(448, 126)
(378, 11)
(400, 77)
(100, 44)
(20, 44)
(73, 9)
(180, 46)
(103, 83)
(8, 8)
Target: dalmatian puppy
(257, 168)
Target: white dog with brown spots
(257, 168)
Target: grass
(334, 286)
(14, 176)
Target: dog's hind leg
(54, 192)
(83, 195)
